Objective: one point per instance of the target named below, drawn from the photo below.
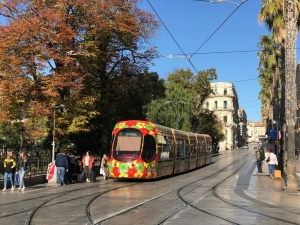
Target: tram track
(31, 216)
(31, 212)
(213, 190)
(191, 204)
(124, 211)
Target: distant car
(245, 146)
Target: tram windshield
(127, 145)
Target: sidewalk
(272, 191)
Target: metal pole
(53, 137)
(277, 146)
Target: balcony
(230, 108)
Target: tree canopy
(83, 54)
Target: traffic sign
(277, 142)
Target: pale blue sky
(191, 23)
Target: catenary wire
(188, 57)
(218, 28)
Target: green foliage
(10, 134)
(173, 110)
(182, 106)
(207, 123)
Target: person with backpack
(262, 155)
(258, 160)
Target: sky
(203, 27)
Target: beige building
(256, 131)
(224, 103)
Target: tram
(144, 150)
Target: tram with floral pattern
(144, 150)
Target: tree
(291, 16)
(173, 110)
(83, 54)
(269, 67)
(187, 92)
(282, 18)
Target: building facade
(224, 103)
(256, 132)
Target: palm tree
(291, 16)
(269, 66)
(271, 14)
(281, 16)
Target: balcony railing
(222, 108)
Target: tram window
(149, 148)
(186, 147)
(165, 147)
(170, 147)
(209, 147)
(204, 146)
(200, 147)
(180, 144)
(193, 147)
(127, 144)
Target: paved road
(226, 192)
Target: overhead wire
(189, 57)
(217, 28)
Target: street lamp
(53, 137)
(179, 115)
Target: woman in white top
(273, 161)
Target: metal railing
(39, 165)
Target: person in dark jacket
(9, 165)
(21, 169)
(258, 161)
(62, 166)
(79, 171)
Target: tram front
(133, 153)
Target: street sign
(277, 142)
(273, 134)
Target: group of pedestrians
(83, 168)
(271, 159)
(12, 168)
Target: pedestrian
(79, 171)
(104, 166)
(62, 166)
(272, 161)
(9, 165)
(21, 169)
(258, 161)
(69, 174)
(87, 163)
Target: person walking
(104, 166)
(62, 166)
(87, 163)
(21, 169)
(9, 165)
(272, 161)
(258, 161)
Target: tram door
(201, 151)
(165, 154)
(209, 150)
(193, 152)
(182, 154)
